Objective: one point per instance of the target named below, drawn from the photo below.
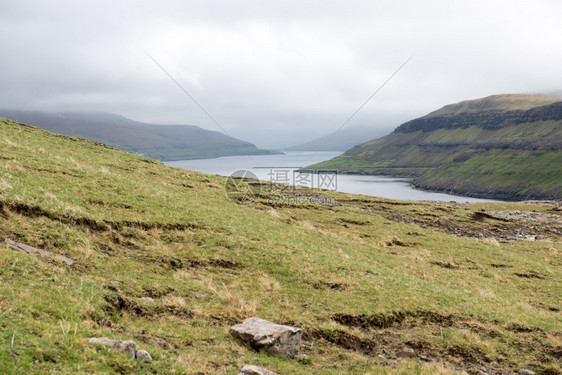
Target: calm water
(281, 167)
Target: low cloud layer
(274, 72)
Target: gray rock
(143, 355)
(255, 370)
(524, 371)
(406, 353)
(32, 250)
(147, 300)
(127, 346)
(276, 339)
(201, 295)
(390, 362)
(445, 222)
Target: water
(267, 167)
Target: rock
(390, 362)
(32, 250)
(127, 346)
(201, 295)
(524, 371)
(443, 221)
(143, 355)
(147, 300)
(255, 370)
(261, 334)
(406, 353)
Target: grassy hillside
(494, 147)
(162, 142)
(363, 277)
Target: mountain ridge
(162, 142)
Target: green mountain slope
(162, 142)
(504, 146)
(365, 278)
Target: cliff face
(490, 119)
(486, 148)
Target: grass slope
(162, 142)
(363, 277)
(495, 147)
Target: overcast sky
(272, 72)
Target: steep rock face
(489, 119)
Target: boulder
(255, 370)
(143, 355)
(127, 346)
(276, 339)
(445, 222)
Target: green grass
(139, 228)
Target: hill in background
(502, 146)
(162, 142)
(341, 141)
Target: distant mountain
(341, 141)
(162, 142)
(502, 146)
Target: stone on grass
(255, 370)
(406, 353)
(147, 300)
(127, 346)
(143, 355)
(525, 371)
(276, 339)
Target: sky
(275, 72)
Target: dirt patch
(354, 222)
(158, 293)
(386, 320)
(530, 275)
(327, 285)
(35, 211)
(447, 265)
(394, 241)
(481, 215)
(342, 339)
(521, 329)
(211, 262)
(51, 171)
(118, 304)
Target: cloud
(272, 72)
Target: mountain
(502, 146)
(341, 141)
(162, 142)
(163, 257)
